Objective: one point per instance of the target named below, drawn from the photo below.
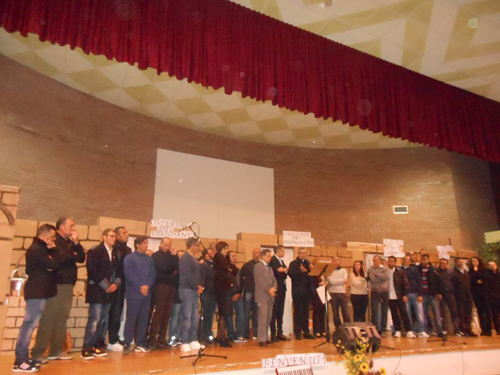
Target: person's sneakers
(410, 335)
(240, 339)
(62, 356)
(25, 366)
(87, 355)
(99, 352)
(423, 335)
(101, 345)
(174, 342)
(126, 349)
(397, 334)
(194, 345)
(185, 348)
(35, 362)
(459, 334)
(116, 347)
(142, 349)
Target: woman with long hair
(480, 288)
(223, 283)
(359, 291)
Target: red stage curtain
(221, 44)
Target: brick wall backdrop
(75, 155)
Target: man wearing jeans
(431, 286)
(42, 259)
(248, 284)
(52, 328)
(414, 303)
(337, 288)
(379, 283)
(190, 287)
(103, 266)
(235, 332)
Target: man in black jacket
(42, 261)
(103, 280)
(248, 285)
(117, 299)
(448, 299)
(301, 294)
(399, 288)
(463, 296)
(415, 297)
(431, 286)
(281, 273)
(164, 292)
(52, 328)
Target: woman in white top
(359, 291)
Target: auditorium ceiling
(454, 41)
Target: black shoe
(163, 345)
(99, 353)
(87, 355)
(101, 345)
(25, 366)
(274, 339)
(486, 333)
(282, 338)
(126, 349)
(262, 344)
(225, 344)
(470, 334)
(35, 362)
(298, 336)
(308, 336)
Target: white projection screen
(224, 197)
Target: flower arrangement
(356, 360)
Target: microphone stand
(201, 351)
(327, 319)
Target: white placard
(443, 251)
(298, 239)
(394, 248)
(169, 228)
(285, 360)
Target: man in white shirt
(337, 283)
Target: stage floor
(240, 356)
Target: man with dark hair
(248, 286)
(164, 292)
(281, 273)
(236, 331)
(432, 289)
(52, 328)
(448, 301)
(42, 261)
(415, 296)
(463, 296)
(398, 296)
(103, 280)
(379, 284)
(140, 277)
(190, 287)
(265, 291)
(117, 299)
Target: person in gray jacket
(379, 285)
(265, 291)
(337, 283)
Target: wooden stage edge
(241, 356)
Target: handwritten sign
(169, 228)
(299, 239)
(443, 251)
(285, 360)
(393, 248)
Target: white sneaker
(195, 345)
(410, 335)
(423, 335)
(185, 348)
(397, 334)
(116, 347)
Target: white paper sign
(393, 248)
(443, 251)
(321, 293)
(298, 239)
(285, 360)
(169, 228)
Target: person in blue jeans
(432, 293)
(190, 287)
(42, 259)
(235, 333)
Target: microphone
(187, 226)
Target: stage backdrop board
(224, 197)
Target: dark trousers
(464, 309)
(209, 304)
(301, 306)
(318, 317)
(117, 301)
(380, 303)
(136, 322)
(339, 301)
(449, 301)
(164, 298)
(359, 306)
(398, 313)
(495, 312)
(483, 312)
(277, 317)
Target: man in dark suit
(103, 279)
(281, 273)
(265, 291)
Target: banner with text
(393, 248)
(297, 239)
(169, 228)
(443, 251)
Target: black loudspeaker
(349, 335)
